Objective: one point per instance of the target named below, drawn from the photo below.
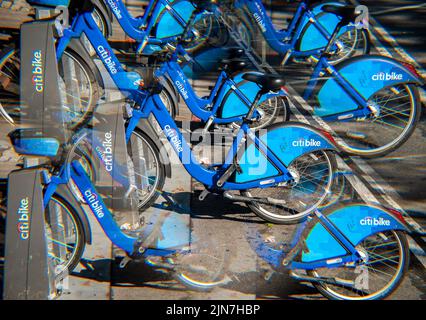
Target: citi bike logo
(95, 205)
(384, 76)
(37, 71)
(106, 154)
(370, 221)
(259, 19)
(181, 87)
(306, 143)
(107, 59)
(114, 8)
(174, 139)
(24, 219)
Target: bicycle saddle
(201, 4)
(233, 65)
(347, 13)
(268, 82)
(234, 52)
(310, 3)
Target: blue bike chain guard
(366, 74)
(312, 38)
(356, 222)
(287, 141)
(232, 106)
(49, 3)
(205, 61)
(168, 26)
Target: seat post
(248, 116)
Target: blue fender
(204, 61)
(287, 141)
(311, 38)
(64, 192)
(367, 75)
(51, 3)
(356, 222)
(232, 106)
(167, 26)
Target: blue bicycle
(306, 36)
(307, 33)
(309, 165)
(370, 102)
(352, 252)
(80, 78)
(349, 251)
(313, 171)
(302, 177)
(161, 19)
(68, 229)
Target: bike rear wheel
(380, 134)
(354, 42)
(313, 173)
(379, 276)
(269, 111)
(351, 43)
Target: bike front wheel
(201, 272)
(77, 83)
(313, 178)
(385, 262)
(148, 168)
(65, 236)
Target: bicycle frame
(132, 26)
(275, 257)
(98, 208)
(198, 106)
(85, 23)
(363, 109)
(278, 40)
(153, 105)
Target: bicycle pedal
(268, 275)
(124, 262)
(203, 195)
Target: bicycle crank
(334, 281)
(267, 201)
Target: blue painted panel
(367, 74)
(356, 222)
